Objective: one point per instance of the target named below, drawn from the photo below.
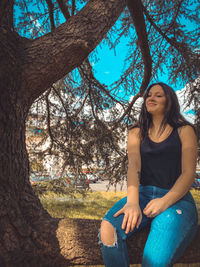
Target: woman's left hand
(155, 207)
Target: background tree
(32, 61)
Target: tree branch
(136, 10)
(48, 58)
(82, 105)
(6, 13)
(175, 14)
(63, 104)
(73, 7)
(50, 8)
(64, 9)
(185, 52)
(89, 76)
(49, 120)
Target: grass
(91, 205)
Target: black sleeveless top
(161, 162)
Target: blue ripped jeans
(170, 232)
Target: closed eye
(156, 95)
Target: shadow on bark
(41, 249)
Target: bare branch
(183, 50)
(62, 102)
(73, 7)
(50, 8)
(92, 106)
(175, 14)
(81, 107)
(49, 120)
(64, 9)
(89, 76)
(136, 10)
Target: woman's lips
(151, 104)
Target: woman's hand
(155, 207)
(132, 216)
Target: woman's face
(156, 100)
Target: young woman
(162, 154)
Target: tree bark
(6, 13)
(50, 57)
(19, 207)
(78, 240)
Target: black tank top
(161, 162)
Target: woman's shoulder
(133, 141)
(134, 131)
(134, 128)
(186, 130)
(187, 133)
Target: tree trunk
(19, 207)
(21, 242)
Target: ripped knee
(108, 234)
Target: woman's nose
(151, 97)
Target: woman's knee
(108, 233)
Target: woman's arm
(185, 180)
(189, 160)
(132, 212)
(134, 166)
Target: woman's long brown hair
(172, 115)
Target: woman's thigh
(170, 233)
(117, 221)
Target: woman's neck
(156, 122)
